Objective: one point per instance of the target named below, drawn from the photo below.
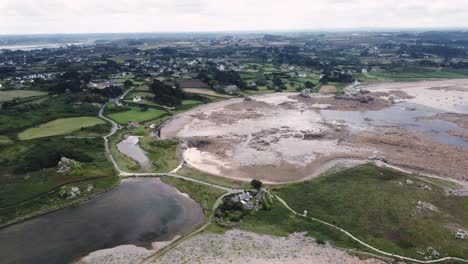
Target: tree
(256, 184)
(309, 84)
(128, 83)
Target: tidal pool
(138, 212)
(130, 148)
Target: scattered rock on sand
(239, 247)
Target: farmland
(18, 94)
(136, 114)
(61, 126)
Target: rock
(313, 136)
(426, 206)
(425, 187)
(198, 144)
(378, 158)
(69, 192)
(461, 234)
(434, 253)
(409, 182)
(366, 99)
(364, 91)
(65, 165)
(247, 99)
(305, 92)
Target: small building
(137, 99)
(245, 197)
(132, 124)
(302, 75)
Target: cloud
(65, 16)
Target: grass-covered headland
(388, 209)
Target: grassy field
(61, 126)
(163, 153)
(379, 206)
(204, 195)
(16, 94)
(16, 119)
(136, 114)
(199, 175)
(142, 94)
(419, 73)
(279, 221)
(5, 140)
(204, 91)
(186, 105)
(29, 171)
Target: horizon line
(259, 31)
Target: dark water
(399, 116)
(138, 212)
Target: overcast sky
(82, 16)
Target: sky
(99, 16)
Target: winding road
(230, 191)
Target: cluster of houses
(103, 83)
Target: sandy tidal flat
(239, 247)
(284, 137)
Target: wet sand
(285, 137)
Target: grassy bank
(51, 201)
(29, 171)
(206, 196)
(385, 208)
(163, 153)
(218, 180)
(279, 221)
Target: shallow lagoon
(138, 211)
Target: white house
(302, 75)
(137, 99)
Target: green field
(61, 126)
(204, 195)
(14, 120)
(5, 140)
(379, 206)
(16, 94)
(29, 177)
(203, 176)
(163, 153)
(279, 221)
(419, 73)
(136, 114)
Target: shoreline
(53, 209)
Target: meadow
(60, 126)
(136, 114)
(9, 95)
(385, 208)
